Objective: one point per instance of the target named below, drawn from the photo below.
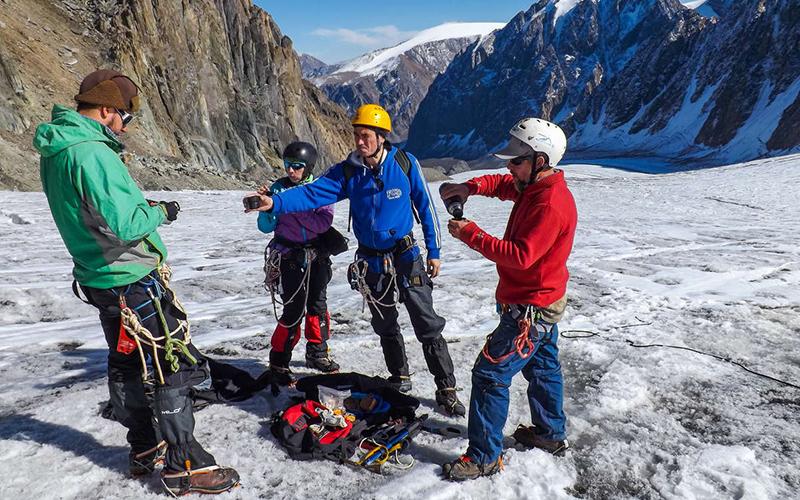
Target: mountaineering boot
(213, 479)
(281, 375)
(464, 468)
(318, 358)
(147, 461)
(448, 401)
(279, 368)
(528, 437)
(400, 383)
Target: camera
(455, 207)
(252, 202)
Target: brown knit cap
(106, 87)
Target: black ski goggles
(124, 116)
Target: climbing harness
(358, 270)
(527, 316)
(274, 285)
(131, 325)
(357, 276)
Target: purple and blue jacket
(297, 227)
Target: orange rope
(523, 345)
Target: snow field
(705, 259)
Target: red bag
(293, 429)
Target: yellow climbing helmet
(372, 115)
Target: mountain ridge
(398, 77)
(617, 74)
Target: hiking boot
(275, 377)
(281, 375)
(527, 436)
(400, 383)
(322, 362)
(212, 479)
(448, 401)
(147, 461)
(464, 468)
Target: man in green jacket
(109, 229)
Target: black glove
(171, 208)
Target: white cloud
(375, 37)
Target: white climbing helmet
(535, 134)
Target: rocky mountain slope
(644, 77)
(222, 87)
(397, 77)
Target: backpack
(405, 164)
(300, 430)
(293, 429)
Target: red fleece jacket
(532, 256)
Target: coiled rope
(273, 283)
(168, 342)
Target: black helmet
(301, 152)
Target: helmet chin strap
(535, 171)
(378, 148)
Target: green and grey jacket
(103, 217)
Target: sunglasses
(124, 116)
(519, 160)
(294, 165)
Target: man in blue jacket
(384, 195)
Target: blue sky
(334, 30)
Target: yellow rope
(143, 336)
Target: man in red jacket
(531, 260)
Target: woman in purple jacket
(296, 258)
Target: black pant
(166, 413)
(297, 299)
(416, 293)
(292, 276)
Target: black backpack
(292, 427)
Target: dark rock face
(221, 85)
(627, 76)
(399, 87)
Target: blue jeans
(488, 406)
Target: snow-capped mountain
(643, 76)
(310, 65)
(398, 77)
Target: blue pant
(488, 406)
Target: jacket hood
(355, 159)
(67, 128)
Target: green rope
(171, 344)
